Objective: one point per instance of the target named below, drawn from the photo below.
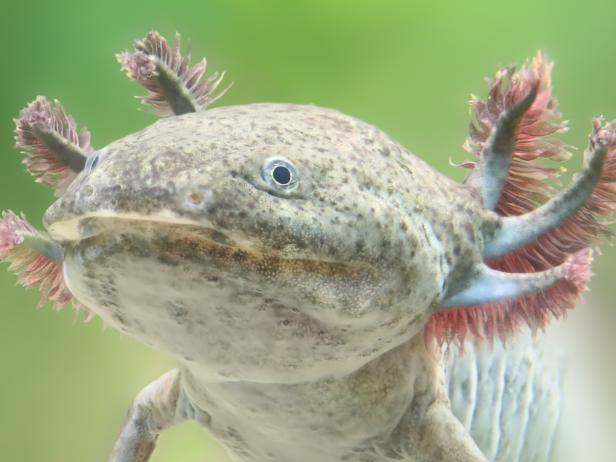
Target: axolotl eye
(279, 173)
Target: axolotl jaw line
(303, 267)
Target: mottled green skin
(243, 282)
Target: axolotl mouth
(228, 309)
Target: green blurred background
(405, 66)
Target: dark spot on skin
(177, 311)
(168, 259)
(406, 168)
(219, 237)
(469, 231)
(360, 245)
(119, 318)
(240, 256)
(109, 304)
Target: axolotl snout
(304, 268)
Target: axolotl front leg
(158, 406)
(154, 409)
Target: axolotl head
(285, 243)
(264, 240)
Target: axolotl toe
(303, 267)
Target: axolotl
(325, 292)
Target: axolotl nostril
(305, 269)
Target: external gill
(174, 86)
(35, 259)
(496, 304)
(56, 151)
(489, 285)
(496, 156)
(537, 256)
(598, 174)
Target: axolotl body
(304, 268)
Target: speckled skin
(296, 317)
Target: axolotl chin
(306, 270)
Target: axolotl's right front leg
(432, 434)
(158, 406)
(504, 404)
(428, 429)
